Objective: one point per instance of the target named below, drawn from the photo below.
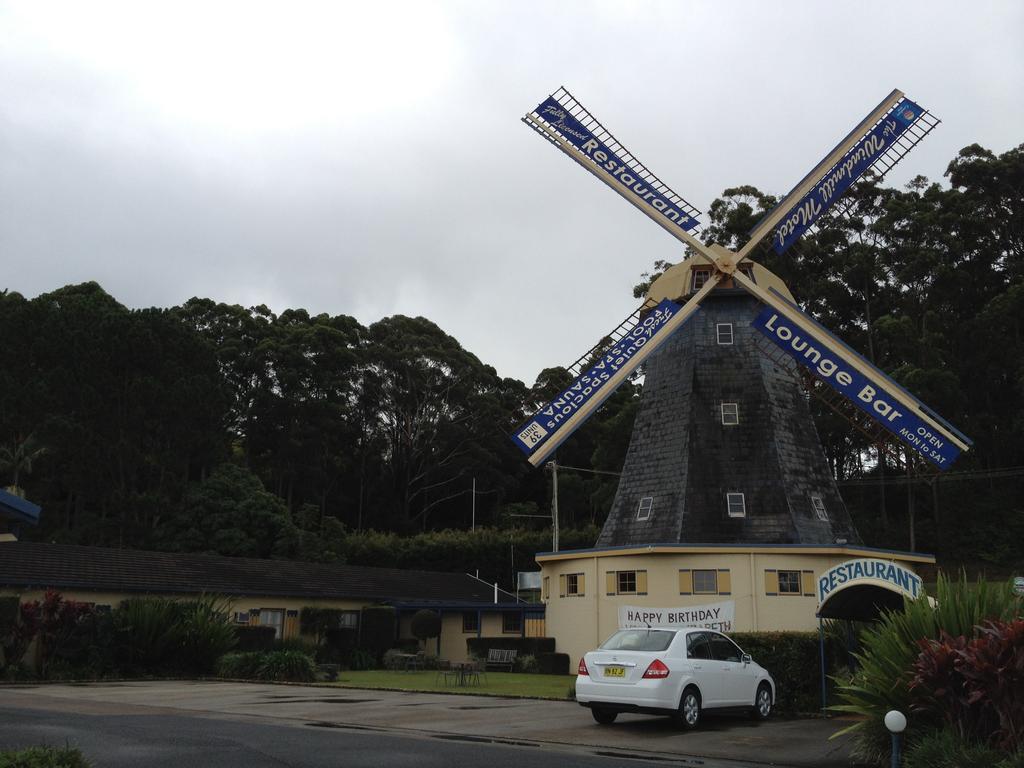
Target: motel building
(727, 514)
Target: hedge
(254, 638)
(534, 646)
(553, 663)
(792, 659)
(378, 629)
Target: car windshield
(639, 640)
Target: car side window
(724, 649)
(697, 646)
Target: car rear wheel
(603, 716)
(762, 703)
(688, 716)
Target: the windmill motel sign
(726, 513)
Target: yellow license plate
(614, 672)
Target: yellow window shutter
(685, 581)
(807, 582)
(610, 584)
(771, 582)
(724, 581)
(581, 584)
(641, 582)
(561, 585)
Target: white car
(674, 672)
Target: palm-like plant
(17, 457)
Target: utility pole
(554, 505)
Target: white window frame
(730, 411)
(819, 507)
(718, 330)
(730, 498)
(700, 277)
(643, 512)
(704, 572)
(798, 585)
(273, 617)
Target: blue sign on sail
(573, 131)
(833, 184)
(547, 422)
(865, 393)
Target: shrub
(43, 757)
(149, 634)
(240, 666)
(293, 666)
(319, 621)
(526, 663)
(944, 749)
(253, 638)
(206, 634)
(890, 648)
(426, 624)
(379, 629)
(973, 686)
(553, 663)
(793, 659)
(360, 659)
(18, 628)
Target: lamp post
(896, 722)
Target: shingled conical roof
(683, 461)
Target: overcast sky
(367, 158)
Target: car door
(706, 670)
(733, 671)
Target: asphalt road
(235, 724)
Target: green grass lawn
(491, 684)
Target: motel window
(512, 623)
(819, 507)
(273, 617)
(348, 620)
(470, 622)
(724, 333)
(700, 276)
(574, 584)
(730, 414)
(626, 582)
(705, 582)
(643, 512)
(736, 505)
(789, 582)
(241, 617)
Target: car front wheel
(603, 716)
(689, 709)
(762, 702)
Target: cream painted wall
(580, 623)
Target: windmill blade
(565, 123)
(555, 422)
(874, 393)
(880, 141)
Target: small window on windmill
(819, 507)
(724, 333)
(730, 414)
(736, 505)
(643, 512)
(700, 276)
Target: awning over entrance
(861, 589)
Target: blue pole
(821, 655)
(895, 750)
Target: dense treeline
(209, 427)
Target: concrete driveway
(557, 725)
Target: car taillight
(656, 670)
(582, 669)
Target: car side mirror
(746, 658)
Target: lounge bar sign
(546, 422)
(839, 178)
(832, 369)
(573, 131)
(869, 571)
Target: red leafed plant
(975, 686)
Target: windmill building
(727, 514)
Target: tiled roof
(26, 565)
